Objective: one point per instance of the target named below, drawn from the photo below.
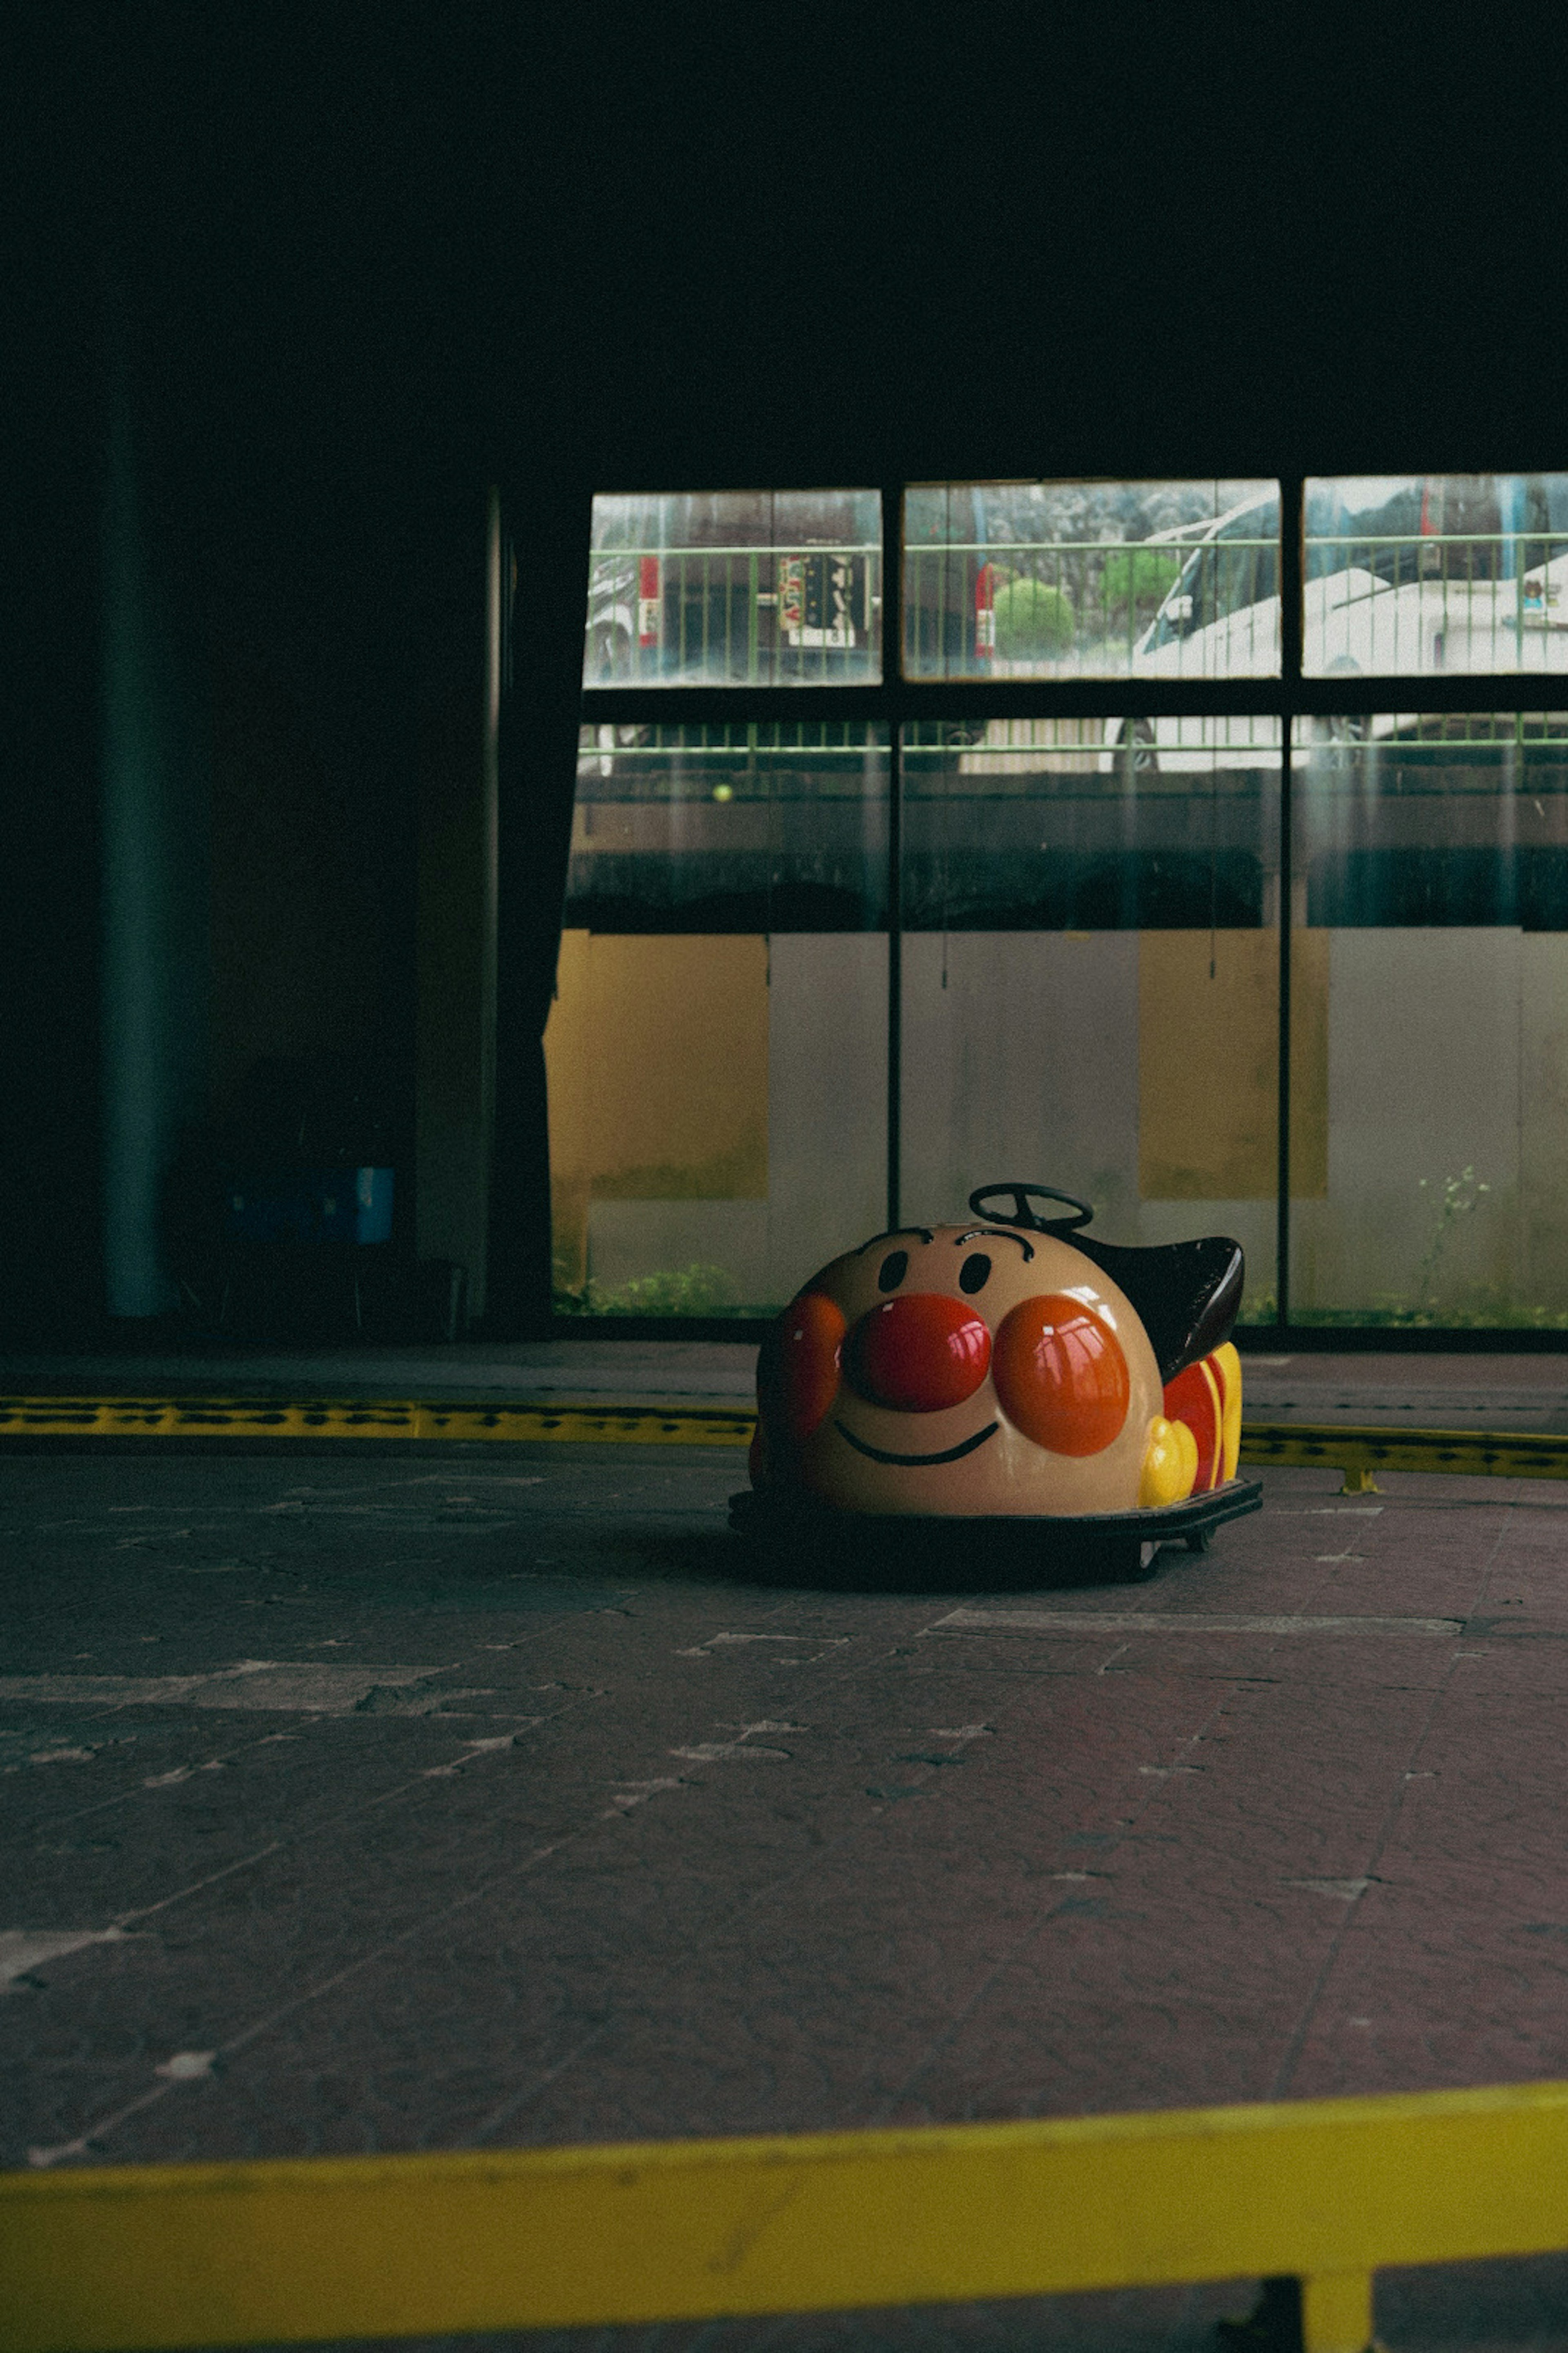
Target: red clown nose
(920, 1353)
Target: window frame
(1291, 696)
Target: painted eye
(975, 1272)
(1061, 1376)
(894, 1266)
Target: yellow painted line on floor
(102, 2260)
(1358, 1451)
(366, 1417)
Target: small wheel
(609, 661)
(1135, 753)
(1199, 1539)
(1340, 729)
(1022, 1215)
(1335, 742)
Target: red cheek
(810, 1340)
(1061, 1376)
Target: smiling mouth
(913, 1461)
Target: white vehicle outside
(1469, 604)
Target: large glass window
(1432, 849)
(1090, 974)
(735, 587)
(1420, 574)
(716, 1052)
(1042, 900)
(1057, 580)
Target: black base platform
(791, 1532)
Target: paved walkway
(1415, 1392)
(490, 1799)
(652, 1371)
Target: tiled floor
(486, 1796)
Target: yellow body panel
(1229, 1363)
(1169, 1464)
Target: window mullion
(892, 586)
(1292, 629)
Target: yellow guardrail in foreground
(1358, 1451)
(93, 2261)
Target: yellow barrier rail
(108, 2260)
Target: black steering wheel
(1022, 1215)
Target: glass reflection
(1092, 580)
(1422, 573)
(1433, 857)
(733, 588)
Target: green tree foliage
(695, 1290)
(1032, 619)
(1138, 576)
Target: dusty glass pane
(735, 587)
(1431, 861)
(717, 1051)
(1090, 977)
(1422, 573)
(1092, 580)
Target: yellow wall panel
(657, 1063)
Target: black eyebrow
(996, 1234)
(892, 1233)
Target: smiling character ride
(1014, 1372)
